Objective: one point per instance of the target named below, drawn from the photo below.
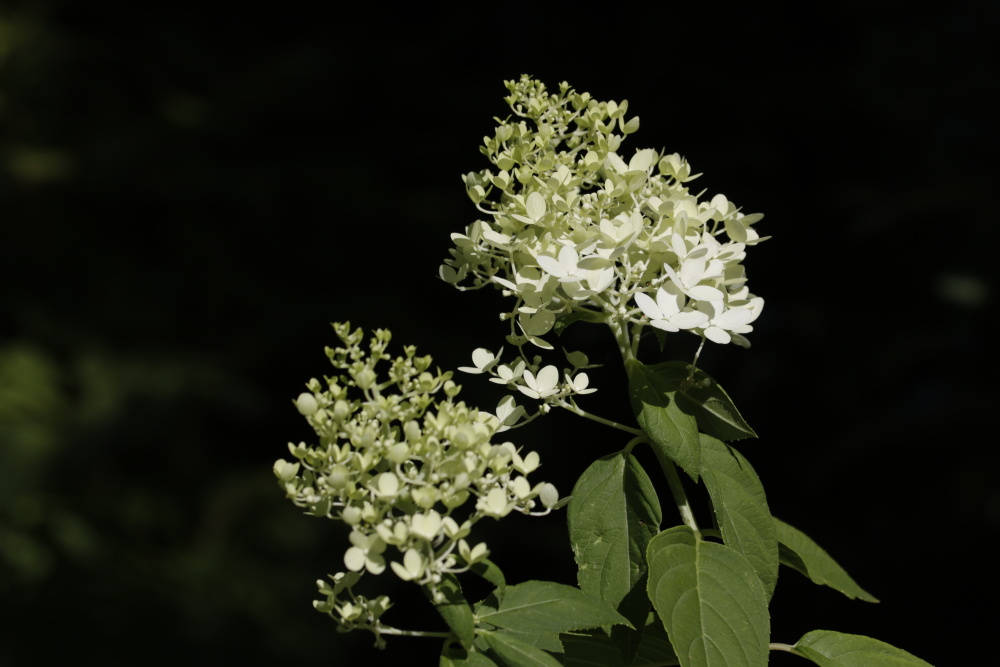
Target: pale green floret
(306, 404)
(284, 470)
(426, 526)
(414, 564)
(548, 495)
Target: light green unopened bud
(548, 495)
(425, 496)
(365, 378)
(521, 488)
(351, 515)
(398, 452)
(341, 409)
(306, 404)
(285, 470)
(338, 477)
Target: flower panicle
(575, 227)
(406, 465)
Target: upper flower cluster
(396, 457)
(575, 228)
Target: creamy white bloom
(542, 385)
(668, 312)
(483, 360)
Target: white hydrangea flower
(579, 383)
(426, 526)
(509, 413)
(540, 386)
(365, 554)
(482, 361)
(413, 565)
(725, 320)
(573, 229)
(668, 312)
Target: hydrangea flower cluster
(398, 460)
(573, 228)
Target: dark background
(188, 196)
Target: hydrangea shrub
(574, 229)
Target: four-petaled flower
(542, 385)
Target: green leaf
(613, 514)
(456, 612)
(590, 650)
(596, 649)
(836, 649)
(513, 652)
(489, 571)
(710, 404)
(545, 606)
(710, 599)
(548, 641)
(454, 657)
(799, 552)
(655, 649)
(583, 314)
(674, 432)
(741, 508)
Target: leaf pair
(713, 598)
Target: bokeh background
(189, 194)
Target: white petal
(528, 464)
(648, 306)
(425, 526)
(535, 206)
(482, 358)
(547, 378)
(568, 257)
(495, 238)
(689, 319)
(692, 271)
(599, 281)
(705, 293)
(665, 325)
(733, 317)
(354, 559)
(668, 303)
(520, 487)
(551, 266)
(717, 335)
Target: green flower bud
(365, 378)
(306, 404)
(338, 477)
(284, 470)
(548, 495)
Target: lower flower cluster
(405, 466)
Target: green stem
(636, 336)
(385, 630)
(677, 490)
(575, 409)
(784, 647)
(618, 328)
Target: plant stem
(572, 407)
(412, 633)
(784, 647)
(677, 490)
(618, 328)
